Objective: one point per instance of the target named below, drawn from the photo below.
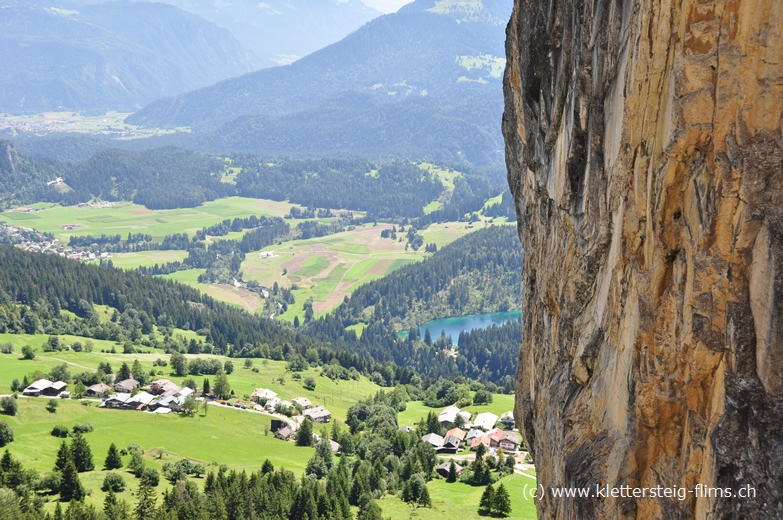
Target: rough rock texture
(645, 153)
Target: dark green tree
(501, 502)
(487, 501)
(145, 506)
(70, 486)
(113, 459)
(304, 436)
(63, 456)
(424, 498)
(81, 453)
(452, 476)
(205, 388)
(124, 372)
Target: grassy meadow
(222, 435)
(458, 500)
(124, 217)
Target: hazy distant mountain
(115, 56)
(281, 31)
(423, 81)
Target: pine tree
(113, 459)
(370, 511)
(70, 485)
(501, 502)
(205, 388)
(114, 508)
(452, 477)
(63, 456)
(424, 498)
(487, 501)
(124, 373)
(304, 437)
(481, 450)
(145, 507)
(81, 453)
(58, 512)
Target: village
(466, 433)
(36, 242)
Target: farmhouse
(494, 437)
(164, 387)
(434, 439)
(318, 414)
(303, 402)
(448, 415)
(119, 400)
(485, 421)
(140, 401)
(97, 390)
(285, 433)
(44, 387)
(473, 433)
(262, 395)
(443, 469)
(485, 440)
(450, 445)
(456, 432)
(507, 420)
(128, 385)
(510, 442)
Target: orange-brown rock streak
(644, 145)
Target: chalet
(172, 402)
(318, 414)
(272, 403)
(140, 401)
(44, 387)
(126, 386)
(434, 439)
(97, 390)
(456, 432)
(494, 437)
(485, 440)
(443, 469)
(303, 402)
(285, 433)
(278, 424)
(473, 433)
(448, 415)
(510, 442)
(164, 387)
(485, 421)
(262, 395)
(118, 400)
(450, 445)
(507, 420)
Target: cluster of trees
(134, 242)
(393, 190)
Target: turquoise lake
(453, 326)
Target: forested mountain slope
(423, 81)
(113, 56)
(164, 178)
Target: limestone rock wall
(645, 153)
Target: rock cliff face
(645, 153)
